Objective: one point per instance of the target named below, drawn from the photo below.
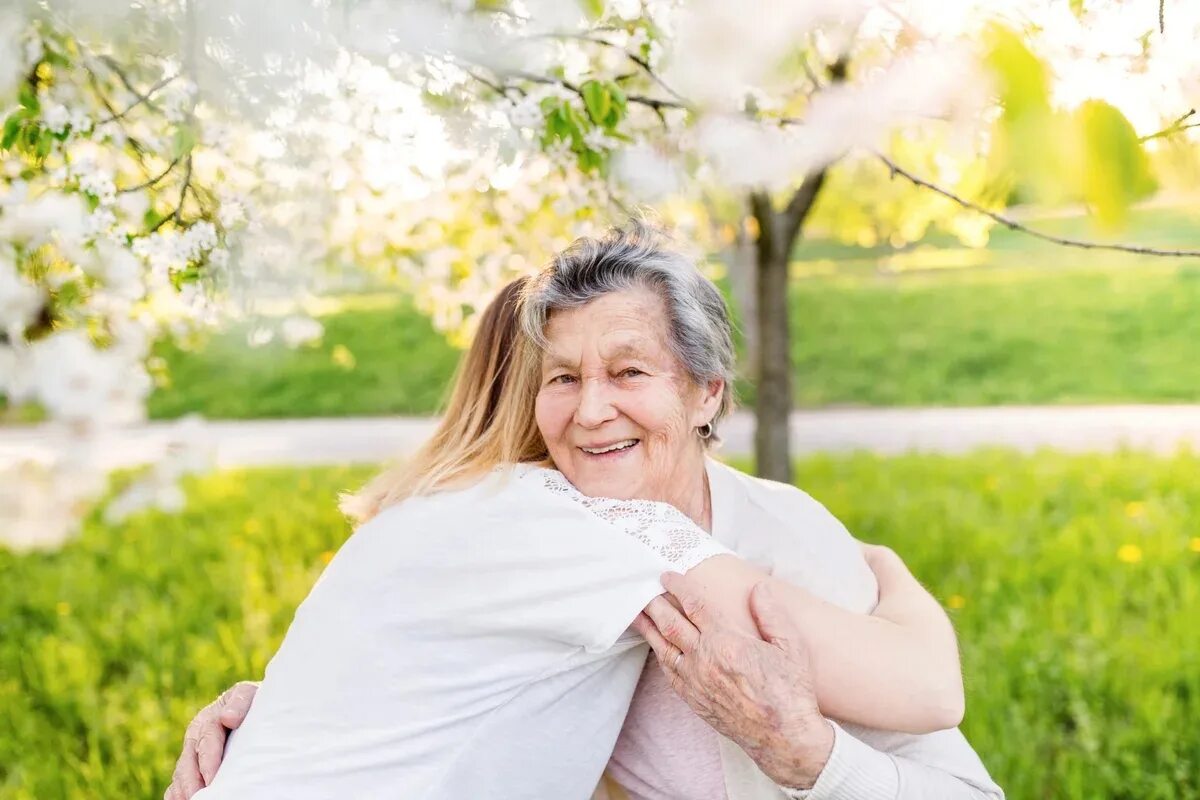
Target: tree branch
(141, 99)
(801, 203)
(152, 181)
(636, 59)
(1012, 224)
(654, 103)
(1174, 127)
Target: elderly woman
(470, 640)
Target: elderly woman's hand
(204, 740)
(757, 692)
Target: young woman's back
(471, 643)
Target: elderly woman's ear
(710, 403)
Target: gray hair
(640, 255)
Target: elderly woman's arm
(895, 669)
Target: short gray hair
(641, 255)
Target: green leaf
(184, 141)
(618, 101)
(1022, 79)
(598, 100)
(1115, 169)
(45, 141)
(56, 58)
(12, 129)
(29, 99)
(594, 9)
(1032, 142)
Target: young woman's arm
(895, 669)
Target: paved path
(946, 430)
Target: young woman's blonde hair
(488, 420)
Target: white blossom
(48, 217)
(56, 117)
(20, 301)
(84, 386)
(120, 269)
(14, 57)
(297, 330)
(647, 174)
(626, 9)
(42, 500)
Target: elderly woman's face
(616, 409)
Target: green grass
(398, 364)
(1081, 667)
(999, 337)
(1018, 322)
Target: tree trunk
(743, 285)
(772, 448)
(778, 232)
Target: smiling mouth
(608, 449)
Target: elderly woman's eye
(630, 372)
(563, 379)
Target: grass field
(1074, 583)
(1017, 322)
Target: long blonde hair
(488, 420)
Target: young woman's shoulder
(782, 502)
(782, 527)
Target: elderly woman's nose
(595, 403)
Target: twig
(1012, 224)
(655, 103)
(187, 182)
(141, 99)
(636, 59)
(152, 181)
(495, 87)
(130, 139)
(1174, 127)
(114, 66)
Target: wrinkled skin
(204, 740)
(757, 692)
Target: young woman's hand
(204, 740)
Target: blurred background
(241, 250)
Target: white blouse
(470, 644)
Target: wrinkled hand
(204, 740)
(758, 692)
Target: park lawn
(375, 358)
(1074, 582)
(1004, 336)
(1020, 321)
(993, 335)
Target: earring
(705, 431)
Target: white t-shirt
(471, 644)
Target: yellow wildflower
(252, 526)
(1195, 545)
(1129, 553)
(63, 608)
(327, 556)
(1135, 509)
(343, 357)
(956, 601)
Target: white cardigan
(783, 530)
